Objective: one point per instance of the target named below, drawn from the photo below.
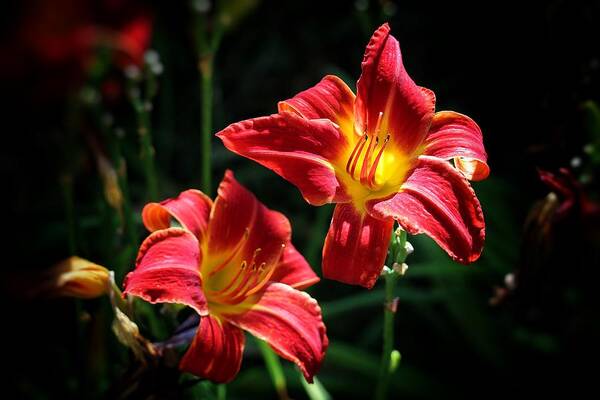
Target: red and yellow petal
(191, 209)
(289, 320)
(330, 99)
(456, 136)
(356, 246)
(240, 224)
(437, 200)
(216, 351)
(385, 86)
(300, 150)
(167, 270)
(294, 270)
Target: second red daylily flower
(232, 261)
(381, 155)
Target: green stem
(128, 215)
(397, 254)
(206, 71)
(207, 45)
(129, 224)
(221, 392)
(275, 370)
(147, 149)
(388, 335)
(116, 297)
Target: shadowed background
(528, 74)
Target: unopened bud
(151, 57)
(509, 281)
(395, 358)
(157, 68)
(386, 270)
(132, 72)
(409, 248)
(77, 277)
(400, 269)
(128, 333)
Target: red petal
(384, 86)
(356, 246)
(437, 200)
(331, 99)
(300, 150)
(456, 136)
(216, 351)
(167, 270)
(191, 208)
(293, 270)
(290, 321)
(241, 224)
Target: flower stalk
(143, 87)
(207, 48)
(398, 251)
(275, 370)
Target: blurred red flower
(58, 40)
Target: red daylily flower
(381, 155)
(232, 261)
(574, 200)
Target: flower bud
(409, 248)
(77, 277)
(400, 269)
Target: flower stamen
(368, 165)
(355, 155)
(367, 159)
(234, 253)
(249, 279)
(371, 178)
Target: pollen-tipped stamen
(266, 276)
(371, 178)
(234, 253)
(367, 160)
(234, 285)
(356, 154)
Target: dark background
(527, 72)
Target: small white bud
(132, 72)
(151, 57)
(400, 268)
(575, 162)
(409, 248)
(509, 281)
(157, 68)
